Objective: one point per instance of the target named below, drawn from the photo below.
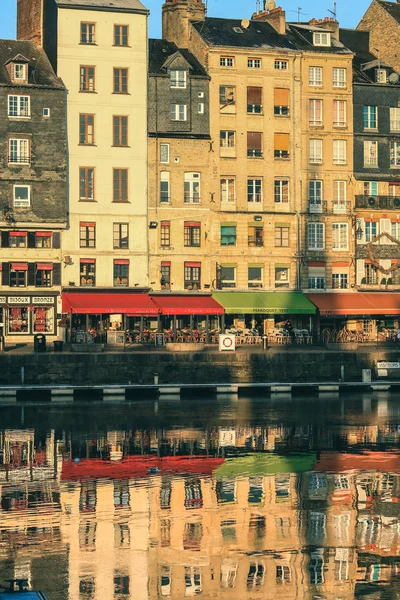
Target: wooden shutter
(31, 273)
(254, 95)
(31, 239)
(5, 239)
(281, 141)
(5, 274)
(253, 140)
(56, 274)
(281, 97)
(56, 239)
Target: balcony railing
(319, 207)
(378, 202)
(341, 207)
(19, 159)
(252, 241)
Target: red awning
(97, 304)
(44, 266)
(188, 305)
(19, 266)
(357, 303)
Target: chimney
(329, 24)
(30, 20)
(275, 17)
(176, 18)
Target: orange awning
(188, 305)
(357, 303)
(97, 304)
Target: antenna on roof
(299, 12)
(258, 6)
(333, 12)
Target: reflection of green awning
(266, 464)
(276, 303)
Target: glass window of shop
(30, 320)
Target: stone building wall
(384, 34)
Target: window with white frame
(226, 61)
(370, 273)
(340, 236)
(339, 77)
(316, 277)
(254, 63)
(315, 195)
(339, 152)
(164, 187)
(395, 229)
(340, 281)
(315, 151)
(283, 574)
(281, 65)
(282, 276)
(164, 153)
(255, 576)
(394, 118)
(316, 568)
(322, 38)
(18, 151)
(315, 112)
(177, 78)
(370, 117)
(395, 154)
(227, 94)
(316, 236)
(228, 191)
(281, 191)
(178, 112)
(254, 276)
(20, 72)
(394, 189)
(192, 188)
(370, 153)
(371, 230)
(200, 108)
(254, 190)
(339, 195)
(19, 106)
(371, 188)
(228, 276)
(227, 139)
(21, 196)
(339, 113)
(192, 581)
(315, 76)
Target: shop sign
(3, 300)
(19, 299)
(159, 339)
(227, 436)
(382, 373)
(42, 299)
(227, 343)
(388, 365)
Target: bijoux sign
(26, 299)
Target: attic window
(237, 30)
(19, 72)
(322, 38)
(178, 79)
(381, 76)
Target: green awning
(266, 464)
(276, 303)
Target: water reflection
(238, 500)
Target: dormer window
(178, 78)
(381, 76)
(19, 72)
(322, 38)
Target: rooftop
(110, 5)
(160, 50)
(40, 71)
(392, 8)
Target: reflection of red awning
(188, 305)
(138, 466)
(97, 304)
(357, 303)
(339, 462)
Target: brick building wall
(29, 20)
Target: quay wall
(189, 368)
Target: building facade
(382, 20)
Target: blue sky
(348, 15)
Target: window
(371, 230)
(43, 239)
(316, 277)
(120, 131)
(121, 33)
(381, 76)
(87, 235)
(254, 144)
(254, 190)
(255, 276)
(281, 102)
(121, 272)
(120, 185)
(339, 196)
(228, 191)
(371, 188)
(371, 154)
(87, 79)
(200, 108)
(283, 574)
(254, 63)
(316, 236)
(281, 145)
(340, 281)
(339, 152)
(86, 129)
(227, 94)
(21, 196)
(87, 271)
(281, 276)
(315, 152)
(192, 275)
(227, 139)
(165, 234)
(177, 78)
(43, 272)
(20, 72)
(395, 154)
(164, 153)
(46, 113)
(228, 235)
(339, 113)
(178, 112)
(86, 183)
(255, 236)
(192, 581)
(315, 195)
(88, 33)
(339, 77)
(340, 236)
(18, 239)
(315, 76)
(18, 151)
(281, 191)
(164, 187)
(321, 38)
(192, 235)
(315, 112)
(226, 61)
(191, 188)
(18, 273)
(121, 585)
(395, 230)
(370, 273)
(281, 65)
(120, 81)
(255, 576)
(394, 189)
(254, 100)
(370, 117)
(281, 236)
(228, 276)
(317, 567)
(120, 235)
(394, 118)
(19, 106)
(165, 271)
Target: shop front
(23, 315)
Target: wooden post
(191, 328)
(207, 329)
(87, 327)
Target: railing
(254, 153)
(19, 159)
(252, 241)
(378, 202)
(317, 207)
(281, 154)
(341, 207)
(191, 199)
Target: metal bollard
(155, 378)
(2, 343)
(265, 342)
